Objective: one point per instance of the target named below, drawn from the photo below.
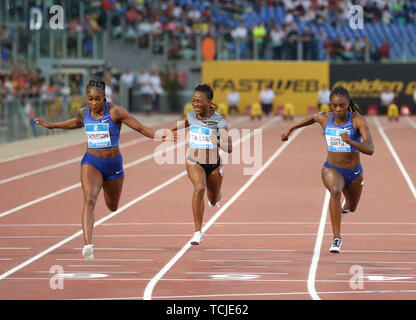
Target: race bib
(334, 140)
(98, 135)
(199, 138)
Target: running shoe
(213, 205)
(336, 245)
(344, 211)
(88, 252)
(197, 238)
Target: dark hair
(206, 88)
(341, 91)
(96, 84)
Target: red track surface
(261, 247)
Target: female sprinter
(208, 131)
(347, 134)
(102, 164)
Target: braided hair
(207, 89)
(341, 91)
(96, 84)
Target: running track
(268, 240)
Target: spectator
(240, 32)
(323, 96)
(9, 91)
(382, 52)
(157, 89)
(292, 42)
(259, 34)
(338, 50)
(233, 98)
(358, 48)
(145, 90)
(306, 39)
(277, 37)
(127, 80)
(386, 98)
(414, 102)
(266, 99)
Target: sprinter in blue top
(347, 134)
(102, 164)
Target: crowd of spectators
(136, 20)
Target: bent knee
(335, 193)
(199, 189)
(90, 200)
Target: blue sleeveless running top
(333, 135)
(101, 133)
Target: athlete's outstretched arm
(120, 114)
(366, 146)
(303, 123)
(70, 124)
(225, 142)
(180, 125)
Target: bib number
(335, 142)
(98, 135)
(199, 138)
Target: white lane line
(411, 122)
(14, 248)
(94, 265)
(124, 249)
(45, 150)
(396, 157)
(87, 271)
(5, 259)
(76, 185)
(376, 262)
(244, 260)
(115, 213)
(150, 286)
(240, 266)
(236, 273)
(317, 250)
(79, 233)
(404, 223)
(380, 251)
(385, 268)
(98, 259)
(251, 250)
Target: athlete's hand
(167, 135)
(213, 138)
(346, 138)
(285, 134)
(43, 123)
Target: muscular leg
(197, 176)
(91, 181)
(112, 192)
(334, 182)
(214, 181)
(352, 194)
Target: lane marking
(244, 260)
(396, 157)
(150, 286)
(317, 249)
(411, 122)
(115, 213)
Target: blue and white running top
(333, 135)
(200, 130)
(101, 133)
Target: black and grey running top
(200, 130)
